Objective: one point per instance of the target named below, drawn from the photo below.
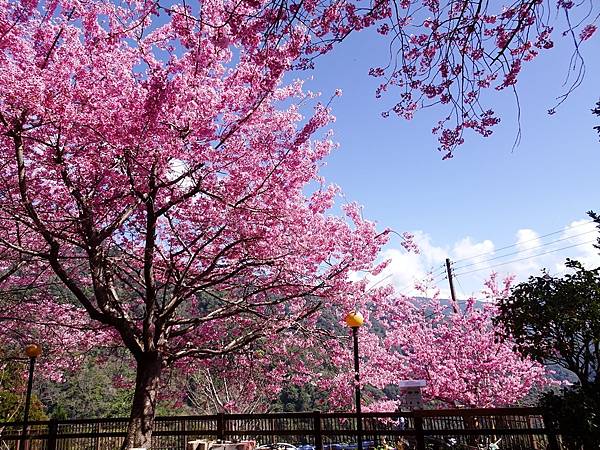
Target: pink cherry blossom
(158, 170)
(587, 32)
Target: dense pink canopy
(157, 173)
(152, 175)
(454, 347)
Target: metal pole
(27, 402)
(357, 389)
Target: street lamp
(32, 351)
(354, 320)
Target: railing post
(52, 432)
(183, 425)
(550, 428)
(220, 426)
(318, 433)
(97, 438)
(419, 434)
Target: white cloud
(474, 261)
(582, 235)
(407, 268)
(476, 251)
(527, 240)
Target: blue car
(305, 447)
(334, 447)
(350, 446)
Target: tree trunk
(141, 420)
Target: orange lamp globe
(354, 319)
(33, 350)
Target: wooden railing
(459, 429)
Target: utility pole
(451, 282)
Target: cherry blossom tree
(158, 176)
(443, 53)
(155, 166)
(252, 382)
(63, 330)
(456, 349)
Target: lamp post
(32, 351)
(354, 320)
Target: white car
(277, 446)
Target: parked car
(334, 447)
(305, 447)
(366, 445)
(349, 446)
(277, 446)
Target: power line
(380, 281)
(439, 272)
(525, 250)
(522, 242)
(460, 285)
(434, 279)
(527, 257)
(434, 282)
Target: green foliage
(595, 217)
(299, 398)
(89, 392)
(12, 407)
(13, 387)
(557, 320)
(576, 413)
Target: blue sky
(489, 195)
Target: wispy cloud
(473, 261)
